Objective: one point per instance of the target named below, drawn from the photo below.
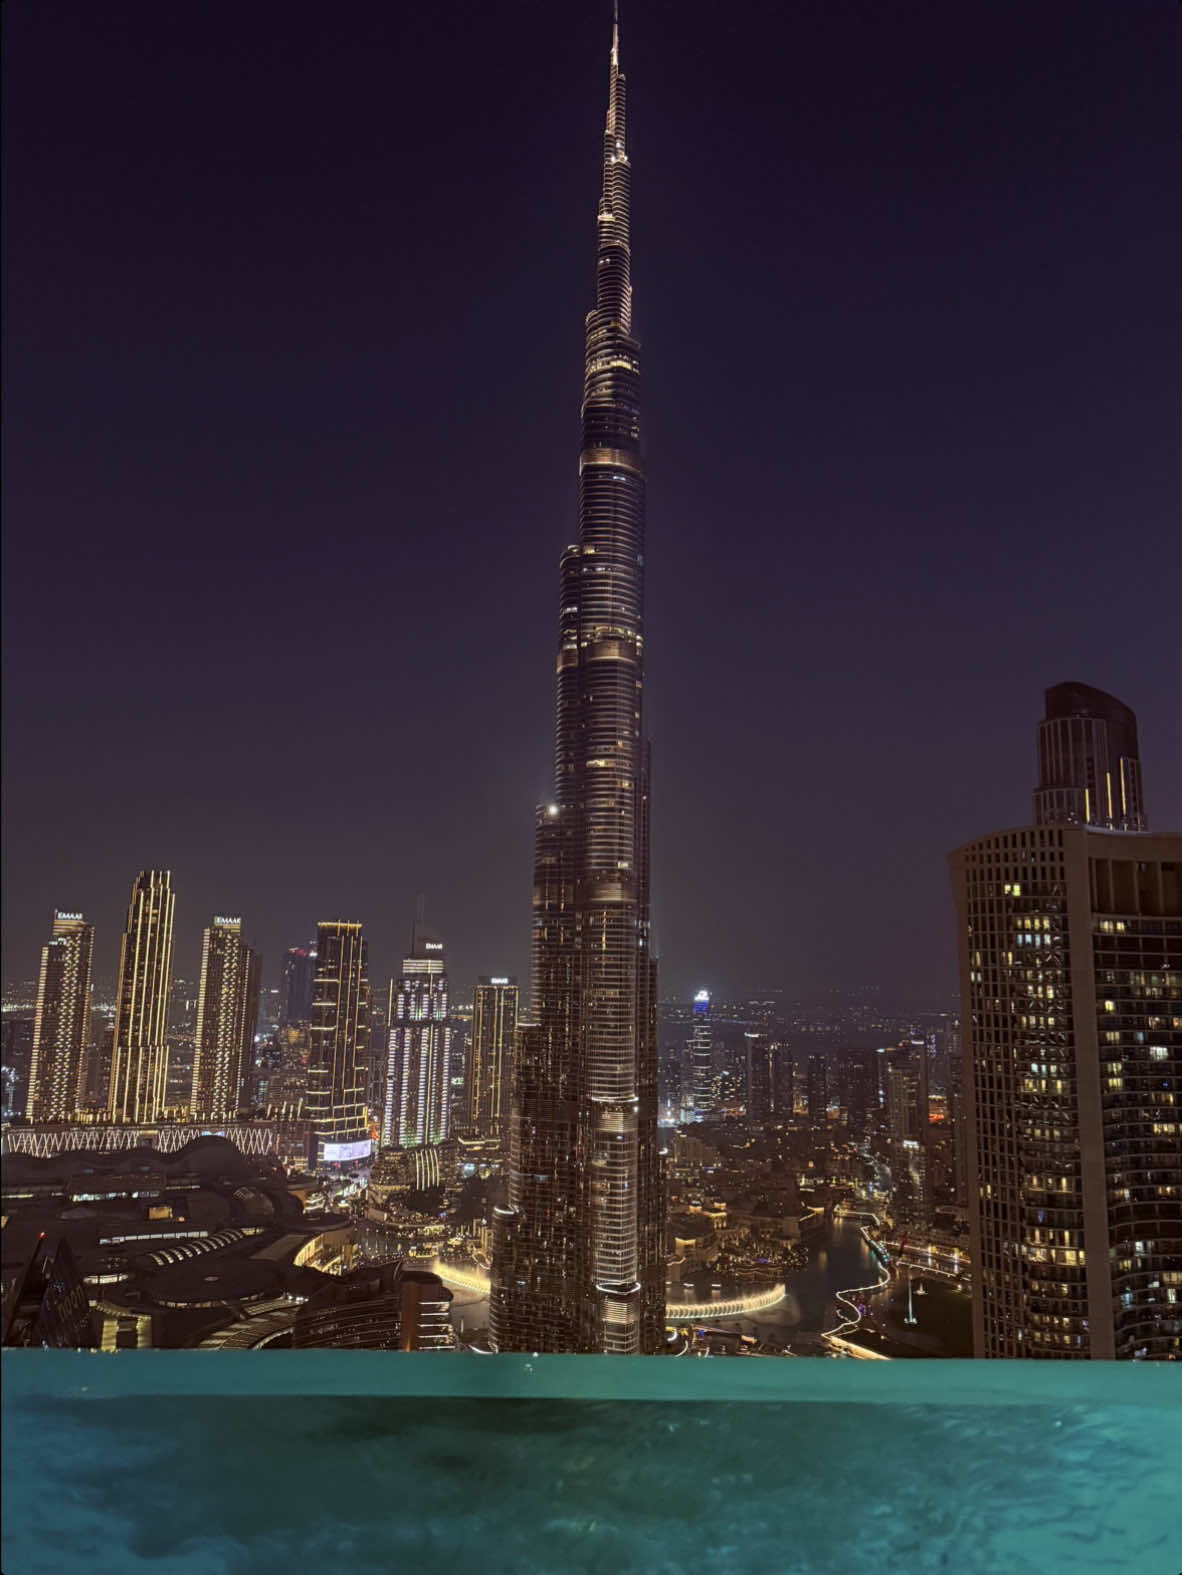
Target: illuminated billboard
(341, 1153)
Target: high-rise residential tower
(579, 1248)
(139, 1052)
(295, 991)
(227, 1014)
(856, 1088)
(701, 1056)
(957, 1116)
(338, 1055)
(907, 1125)
(57, 1068)
(418, 1079)
(1089, 762)
(490, 1053)
(1070, 944)
(816, 1091)
(768, 1081)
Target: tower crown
(1089, 762)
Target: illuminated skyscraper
(252, 991)
(856, 1087)
(418, 1081)
(227, 1014)
(579, 1260)
(379, 1053)
(958, 1117)
(1070, 943)
(57, 1069)
(139, 1053)
(1089, 762)
(701, 1056)
(338, 1056)
(490, 1053)
(816, 1091)
(767, 1080)
(907, 1124)
(288, 1082)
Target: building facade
(139, 1049)
(295, 990)
(61, 1024)
(1071, 987)
(227, 1016)
(45, 1303)
(816, 1091)
(338, 1053)
(490, 1054)
(958, 1115)
(418, 1080)
(579, 1261)
(1089, 762)
(768, 1080)
(389, 1307)
(907, 1129)
(701, 1056)
(857, 1073)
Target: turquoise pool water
(232, 1463)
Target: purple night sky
(295, 300)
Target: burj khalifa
(579, 1262)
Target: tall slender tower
(417, 1108)
(227, 1014)
(579, 1261)
(701, 1056)
(57, 1070)
(490, 1046)
(295, 992)
(816, 1091)
(338, 1057)
(139, 1053)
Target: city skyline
(841, 1019)
(967, 502)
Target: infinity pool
(274, 1463)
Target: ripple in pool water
(215, 1486)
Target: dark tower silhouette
(1089, 763)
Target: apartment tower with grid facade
(227, 1016)
(139, 1051)
(1070, 940)
(490, 1053)
(417, 1107)
(61, 1025)
(338, 1053)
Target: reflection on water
(840, 1264)
(835, 1265)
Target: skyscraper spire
(578, 1256)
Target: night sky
(294, 317)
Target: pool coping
(98, 1375)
